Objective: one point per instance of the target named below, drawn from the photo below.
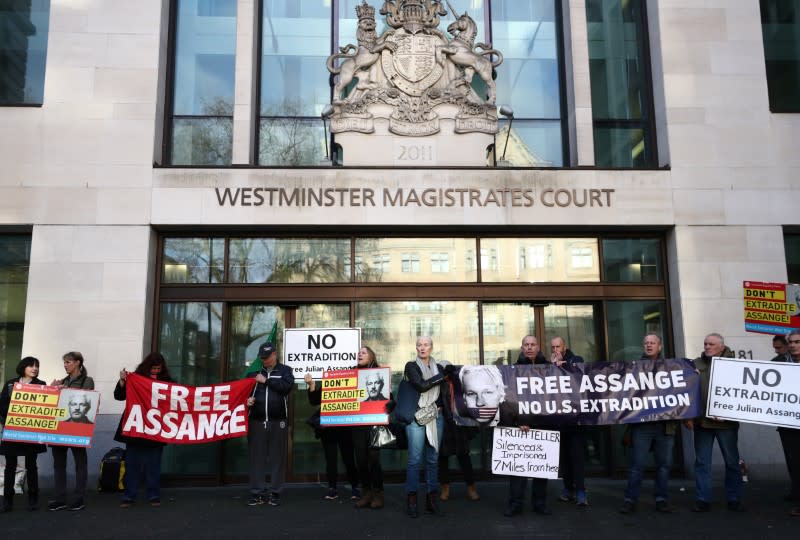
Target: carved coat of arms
(414, 68)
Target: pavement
(222, 512)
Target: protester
(661, 436)
(424, 439)
(142, 456)
(706, 429)
(368, 461)
(780, 345)
(268, 427)
(573, 439)
(332, 438)
(456, 439)
(77, 377)
(790, 437)
(27, 373)
(509, 416)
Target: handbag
(426, 414)
(381, 437)
(407, 399)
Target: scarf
(426, 398)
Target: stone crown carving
(414, 72)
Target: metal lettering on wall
(415, 69)
(404, 197)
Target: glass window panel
(526, 33)
(385, 260)
(289, 260)
(504, 326)
(576, 325)
(23, 51)
(193, 260)
(15, 254)
(628, 322)
(190, 338)
(291, 141)
(204, 59)
(202, 141)
(632, 260)
(620, 89)
(621, 147)
(307, 453)
(780, 26)
(296, 40)
(532, 143)
(539, 260)
(791, 244)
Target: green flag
(255, 365)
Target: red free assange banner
(178, 414)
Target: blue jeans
(138, 460)
(418, 448)
(642, 436)
(703, 446)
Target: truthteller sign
(532, 453)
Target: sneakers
(581, 499)
(57, 506)
(126, 504)
(355, 494)
(663, 507)
(77, 505)
(566, 495)
(628, 507)
(155, 503)
(332, 494)
(255, 500)
(274, 499)
(701, 506)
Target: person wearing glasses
(790, 437)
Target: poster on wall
(755, 391)
(51, 415)
(355, 397)
(771, 308)
(532, 453)
(319, 350)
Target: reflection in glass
(628, 322)
(791, 245)
(536, 260)
(203, 91)
(576, 325)
(291, 141)
(527, 32)
(621, 99)
(304, 443)
(289, 260)
(23, 51)
(780, 27)
(190, 338)
(193, 260)
(632, 259)
(15, 254)
(504, 327)
(383, 260)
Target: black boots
(432, 504)
(8, 503)
(411, 504)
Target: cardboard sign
(755, 391)
(319, 350)
(355, 397)
(51, 415)
(532, 453)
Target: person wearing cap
(268, 418)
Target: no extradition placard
(532, 453)
(318, 350)
(755, 391)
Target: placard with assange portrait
(51, 415)
(355, 397)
